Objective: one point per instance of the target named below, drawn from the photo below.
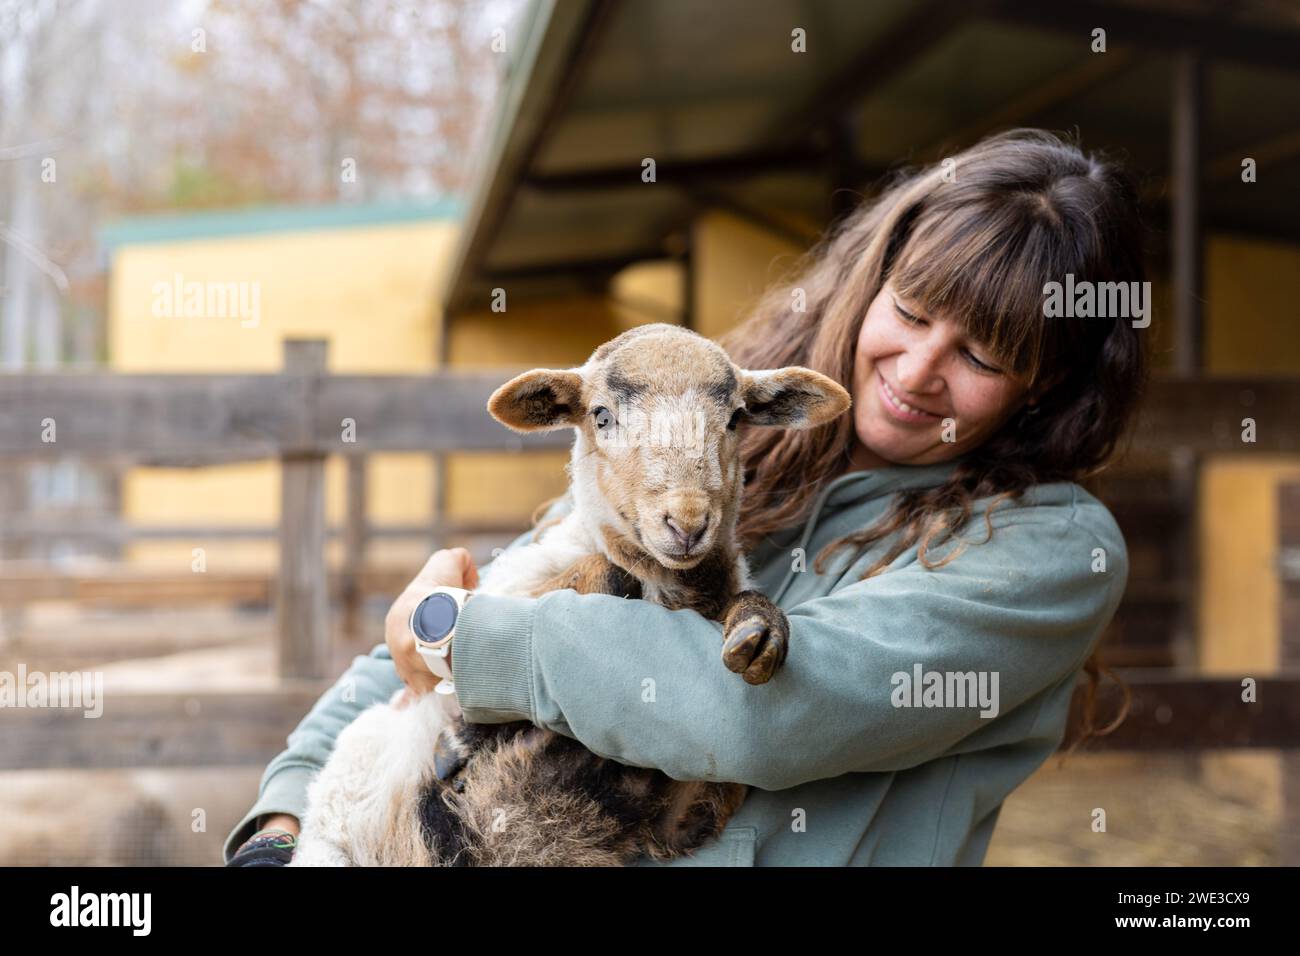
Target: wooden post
(13, 507)
(1188, 106)
(1288, 567)
(438, 499)
(302, 597)
(1185, 219)
(354, 548)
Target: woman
(961, 579)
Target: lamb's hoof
(755, 647)
(447, 760)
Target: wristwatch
(433, 622)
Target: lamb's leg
(756, 637)
(594, 574)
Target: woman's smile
(899, 409)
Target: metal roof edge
(554, 33)
(270, 219)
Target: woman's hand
(448, 568)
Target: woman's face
(922, 392)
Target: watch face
(435, 617)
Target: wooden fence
(303, 414)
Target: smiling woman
(930, 301)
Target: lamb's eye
(604, 417)
(735, 419)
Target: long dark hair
(974, 239)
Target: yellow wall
(1240, 591)
(557, 333)
(735, 261)
(1251, 291)
(369, 290)
(1252, 288)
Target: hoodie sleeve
(644, 685)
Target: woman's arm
(645, 686)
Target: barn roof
(735, 119)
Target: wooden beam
(354, 546)
(157, 730)
(107, 528)
(561, 41)
(302, 599)
(771, 220)
(34, 582)
(1090, 72)
(681, 173)
(1269, 152)
(192, 420)
(1217, 36)
(1172, 710)
(424, 413)
(1205, 415)
(1187, 253)
(921, 28)
(13, 503)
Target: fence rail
(193, 420)
(1171, 712)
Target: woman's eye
(604, 417)
(982, 366)
(907, 317)
(735, 419)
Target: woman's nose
(918, 370)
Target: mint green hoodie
(854, 753)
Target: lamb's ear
(792, 397)
(539, 401)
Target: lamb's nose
(687, 535)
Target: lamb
(656, 486)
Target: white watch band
(436, 656)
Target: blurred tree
(126, 106)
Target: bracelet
(272, 847)
(272, 836)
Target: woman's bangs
(981, 269)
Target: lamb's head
(658, 412)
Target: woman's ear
(538, 401)
(792, 397)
